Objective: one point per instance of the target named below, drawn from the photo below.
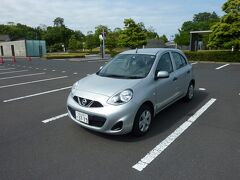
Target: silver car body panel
(160, 93)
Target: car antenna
(136, 50)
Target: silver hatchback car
(126, 94)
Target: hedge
(215, 56)
(65, 55)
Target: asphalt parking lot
(38, 140)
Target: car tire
(190, 93)
(142, 121)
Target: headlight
(75, 85)
(121, 98)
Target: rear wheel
(190, 92)
(142, 121)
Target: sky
(165, 16)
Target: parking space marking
(63, 71)
(75, 73)
(145, 161)
(202, 89)
(13, 72)
(31, 82)
(6, 69)
(53, 70)
(54, 118)
(25, 75)
(37, 94)
(194, 63)
(220, 67)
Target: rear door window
(179, 60)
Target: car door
(165, 87)
(182, 72)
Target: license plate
(82, 117)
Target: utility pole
(103, 44)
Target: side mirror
(161, 74)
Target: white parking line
(44, 69)
(63, 71)
(220, 67)
(53, 70)
(11, 77)
(37, 94)
(30, 82)
(194, 63)
(145, 161)
(202, 89)
(54, 118)
(13, 72)
(6, 69)
(75, 73)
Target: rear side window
(179, 60)
(165, 63)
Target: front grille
(87, 102)
(96, 121)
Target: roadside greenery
(226, 33)
(201, 21)
(213, 56)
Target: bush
(215, 56)
(65, 55)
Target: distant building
(23, 48)
(155, 43)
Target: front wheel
(190, 93)
(142, 120)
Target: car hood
(105, 85)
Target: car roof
(150, 51)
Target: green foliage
(215, 56)
(226, 33)
(57, 34)
(111, 41)
(151, 34)
(56, 47)
(91, 41)
(74, 44)
(59, 22)
(65, 55)
(163, 38)
(133, 35)
(201, 21)
(20, 31)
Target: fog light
(118, 126)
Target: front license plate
(82, 117)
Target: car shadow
(179, 111)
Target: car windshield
(128, 66)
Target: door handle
(188, 72)
(175, 78)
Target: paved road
(30, 149)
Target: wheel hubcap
(145, 120)
(190, 92)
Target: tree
(111, 41)
(163, 38)
(151, 34)
(91, 41)
(73, 43)
(201, 21)
(58, 22)
(226, 33)
(133, 35)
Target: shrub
(215, 56)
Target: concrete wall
(19, 48)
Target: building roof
(4, 37)
(200, 32)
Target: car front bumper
(103, 119)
